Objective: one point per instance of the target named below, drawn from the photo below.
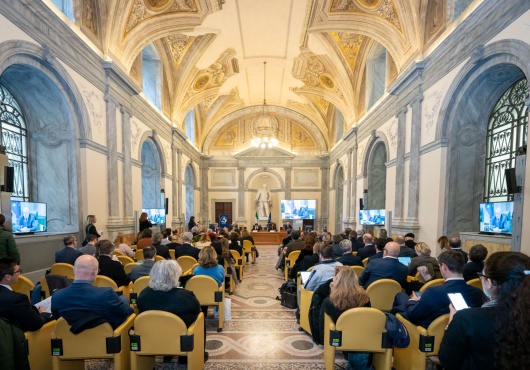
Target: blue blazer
(367, 251)
(384, 268)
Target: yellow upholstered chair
(435, 282)
(24, 286)
(186, 263)
(209, 293)
(229, 279)
(476, 283)
(139, 255)
(137, 287)
(105, 281)
(382, 293)
(354, 253)
(358, 270)
(238, 264)
(305, 303)
(162, 333)
(125, 260)
(39, 355)
(362, 330)
(69, 350)
(172, 253)
(365, 262)
(247, 250)
(290, 260)
(128, 267)
(117, 253)
(423, 343)
(159, 258)
(64, 269)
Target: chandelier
(265, 126)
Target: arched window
(507, 131)
(152, 75)
(339, 125)
(377, 178)
(190, 186)
(375, 74)
(190, 125)
(14, 134)
(150, 176)
(66, 7)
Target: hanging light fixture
(265, 126)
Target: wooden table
(268, 238)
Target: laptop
(404, 260)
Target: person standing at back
(90, 228)
(8, 246)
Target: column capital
(402, 111)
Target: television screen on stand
(28, 217)
(157, 216)
(496, 217)
(374, 217)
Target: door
(223, 208)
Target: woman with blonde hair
(144, 222)
(90, 228)
(424, 259)
(204, 241)
(209, 265)
(122, 246)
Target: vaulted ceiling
(317, 51)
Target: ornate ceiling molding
(384, 9)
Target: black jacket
(114, 270)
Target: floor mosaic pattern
(261, 333)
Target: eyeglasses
(19, 271)
(480, 274)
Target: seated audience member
(287, 239)
(85, 304)
(404, 251)
(122, 246)
(360, 234)
(176, 240)
(296, 244)
(90, 247)
(347, 258)
(311, 260)
(456, 245)
(146, 240)
(383, 234)
(368, 250)
(443, 244)
(209, 265)
(307, 251)
(110, 268)
(387, 267)
(494, 336)
(346, 293)
(166, 236)
(477, 255)
(424, 259)
(204, 241)
(245, 235)
(15, 306)
(145, 268)
(235, 243)
(323, 270)
(337, 251)
(355, 243)
(409, 240)
(379, 247)
(187, 249)
(161, 249)
(435, 302)
(69, 253)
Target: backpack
(397, 331)
(288, 294)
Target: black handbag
(288, 294)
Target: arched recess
(152, 75)
(56, 118)
(464, 119)
(276, 175)
(152, 136)
(339, 198)
(376, 171)
(189, 179)
(151, 175)
(377, 137)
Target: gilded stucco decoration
(435, 20)
(385, 9)
(322, 104)
(145, 9)
(89, 16)
(228, 138)
(300, 137)
(312, 71)
(178, 45)
(350, 45)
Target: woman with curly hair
(496, 335)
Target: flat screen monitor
(372, 217)
(157, 216)
(28, 217)
(496, 217)
(296, 209)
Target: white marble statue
(264, 202)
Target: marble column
(112, 160)
(204, 191)
(174, 184)
(400, 165)
(347, 211)
(288, 182)
(414, 163)
(241, 195)
(353, 181)
(179, 202)
(324, 196)
(128, 212)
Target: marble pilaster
(175, 184)
(347, 211)
(353, 187)
(112, 160)
(204, 191)
(180, 203)
(241, 195)
(400, 165)
(414, 163)
(288, 182)
(128, 212)
(324, 195)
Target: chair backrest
(362, 329)
(140, 284)
(139, 255)
(90, 343)
(237, 257)
(105, 281)
(247, 246)
(24, 286)
(437, 330)
(358, 270)
(117, 252)
(128, 267)
(382, 293)
(172, 253)
(159, 258)
(290, 260)
(125, 260)
(365, 261)
(476, 283)
(205, 289)
(64, 269)
(38, 341)
(186, 263)
(435, 282)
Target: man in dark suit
(69, 253)
(456, 245)
(380, 246)
(110, 268)
(368, 250)
(27, 222)
(355, 243)
(85, 303)
(145, 268)
(435, 302)
(477, 255)
(387, 267)
(404, 251)
(347, 258)
(256, 227)
(14, 306)
(186, 249)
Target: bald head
(86, 268)
(392, 249)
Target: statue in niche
(264, 202)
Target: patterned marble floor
(261, 334)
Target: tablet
(305, 276)
(404, 260)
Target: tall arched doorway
(190, 193)
(150, 176)
(377, 178)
